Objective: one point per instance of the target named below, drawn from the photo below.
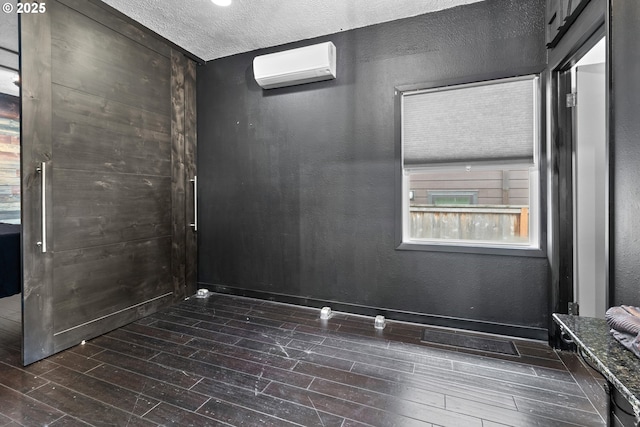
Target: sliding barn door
(108, 143)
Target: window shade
(491, 122)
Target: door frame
(590, 26)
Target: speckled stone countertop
(619, 365)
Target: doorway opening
(589, 161)
(10, 176)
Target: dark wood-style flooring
(242, 362)
(11, 320)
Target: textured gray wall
(298, 188)
(625, 152)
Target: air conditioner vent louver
(296, 66)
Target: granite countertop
(619, 365)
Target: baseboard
(404, 316)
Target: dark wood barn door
(108, 143)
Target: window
(470, 171)
(452, 197)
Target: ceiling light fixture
(221, 2)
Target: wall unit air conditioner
(296, 66)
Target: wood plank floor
(11, 321)
(236, 361)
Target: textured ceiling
(9, 28)
(6, 82)
(8, 50)
(209, 31)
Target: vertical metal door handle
(42, 170)
(194, 224)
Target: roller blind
(492, 122)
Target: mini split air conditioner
(296, 66)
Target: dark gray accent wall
(297, 186)
(624, 152)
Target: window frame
(537, 211)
